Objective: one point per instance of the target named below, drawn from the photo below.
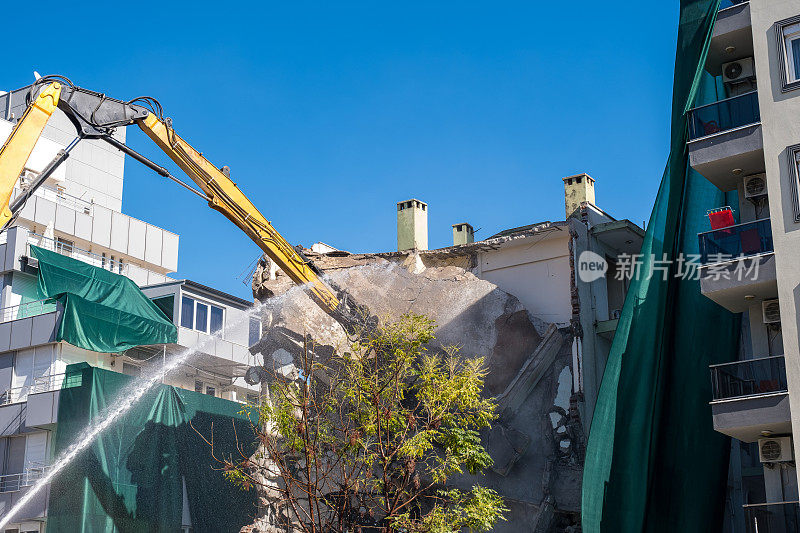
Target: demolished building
(518, 299)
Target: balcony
(17, 482)
(750, 397)
(732, 37)
(779, 517)
(753, 377)
(140, 275)
(738, 262)
(726, 136)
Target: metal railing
(28, 309)
(779, 517)
(61, 198)
(724, 115)
(140, 275)
(40, 384)
(17, 482)
(724, 4)
(739, 240)
(70, 250)
(753, 377)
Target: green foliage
(373, 436)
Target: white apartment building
(748, 141)
(78, 213)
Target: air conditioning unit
(775, 450)
(771, 311)
(738, 71)
(755, 186)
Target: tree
(366, 441)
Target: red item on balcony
(751, 241)
(721, 218)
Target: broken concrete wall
(537, 443)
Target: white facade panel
(153, 244)
(101, 226)
(45, 211)
(5, 336)
(65, 219)
(21, 333)
(137, 231)
(169, 253)
(119, 232)
(43, 330)
(83, 226)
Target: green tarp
(131, 479)
(103, 311)
(654, 462)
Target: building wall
(780, 116)
(536, 271)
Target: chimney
(412, 225)
(463, 234)
(578, 189)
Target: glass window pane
(187, 312)
(198, 386)
(255, 331)
(796, 57)
(211, 391)
(216, 319)
(201, 324)
(165, 304)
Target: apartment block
(78, 213)
(746, 142)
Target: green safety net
(132, 478)
(653, 461)
(103, 311)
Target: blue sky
(328, 116)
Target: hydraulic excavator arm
(97, 116)
(19, 145)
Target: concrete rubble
(538, 442)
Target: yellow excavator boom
(19, 145)
(96, 116)
(225, 197)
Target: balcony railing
(730, 3)
(70, 250)
(16, 482)
(748, 378)
(724, 115)
(61, 198)
(41, 384)
(780, 517)
(28, 309)
(140, 275)
(740, 240)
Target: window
(788, 35)
(166, 304)
(187, 313)
(255, 330)
(131, 370)
(201, 317)
(64, 247)
(793, 155)
(211, 391)
(216, 319)
(198, 386)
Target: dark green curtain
(103, 311)
(131, 479)
(653, 461)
